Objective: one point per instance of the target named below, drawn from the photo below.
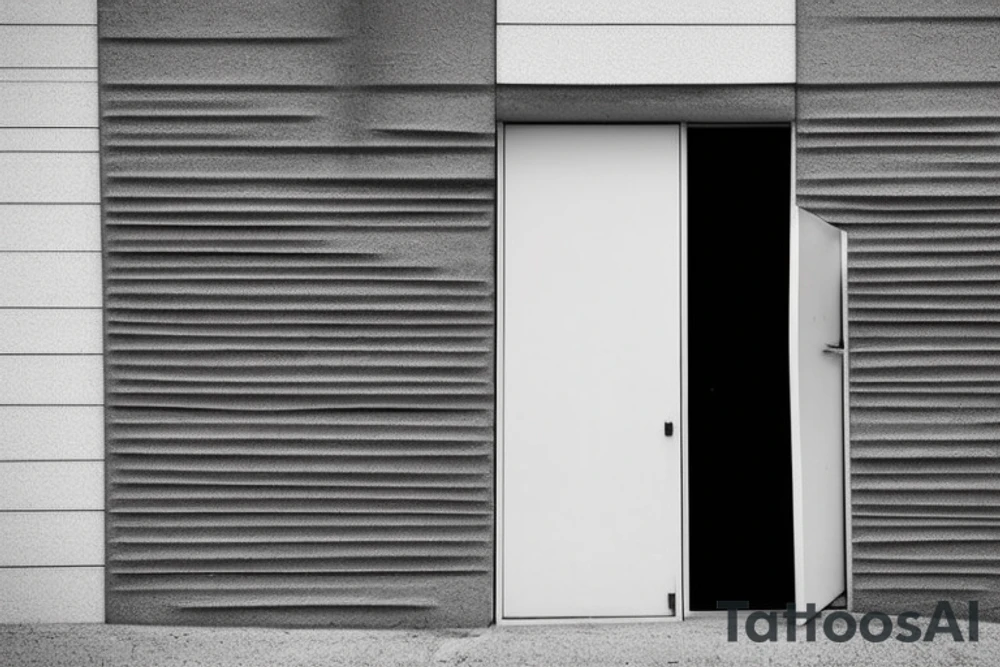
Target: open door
(816, 369)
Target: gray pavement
(699, 641)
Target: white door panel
(817, 411)
(591, 349)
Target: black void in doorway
(739, 416)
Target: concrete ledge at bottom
(52, 595)
(646, 104)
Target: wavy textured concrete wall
(298, 217)
(899, 143)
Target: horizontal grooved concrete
(298, 215)
(897, 120)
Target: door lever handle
(837, 349)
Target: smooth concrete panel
(51, 331)
(50, 178)
(644, 11)
(80, 12)
(54, 432)
(46, 539)
(48, 46)
(48, 103)
(635, 54)
(51, 380)
(51, 485)
(50, 227)
(49, 139)
(46, 75)
(50, 279)
(52, 595)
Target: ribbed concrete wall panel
(899, 143)
(298, 212)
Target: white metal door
(817, 411)
(591, 371)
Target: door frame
(682, 605)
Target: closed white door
(591, 516)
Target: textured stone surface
(298, 214)
(898, 143)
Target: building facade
(346, 313)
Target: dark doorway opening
(739, 417)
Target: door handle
(668, 429)
(837, 349)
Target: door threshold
(587, 620)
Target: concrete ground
(699, 641)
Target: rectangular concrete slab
(47, 539)
(61, 432)
(50, 279)
(51, 485)
(51, 331)
(49, 139)
(48, 46)
(50, 226)
(52, 380)
(49, 178)
(80, 12)
(48, 103)
(52, 595)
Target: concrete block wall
(51, 384)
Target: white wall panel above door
(644, 11)
(645, 54)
